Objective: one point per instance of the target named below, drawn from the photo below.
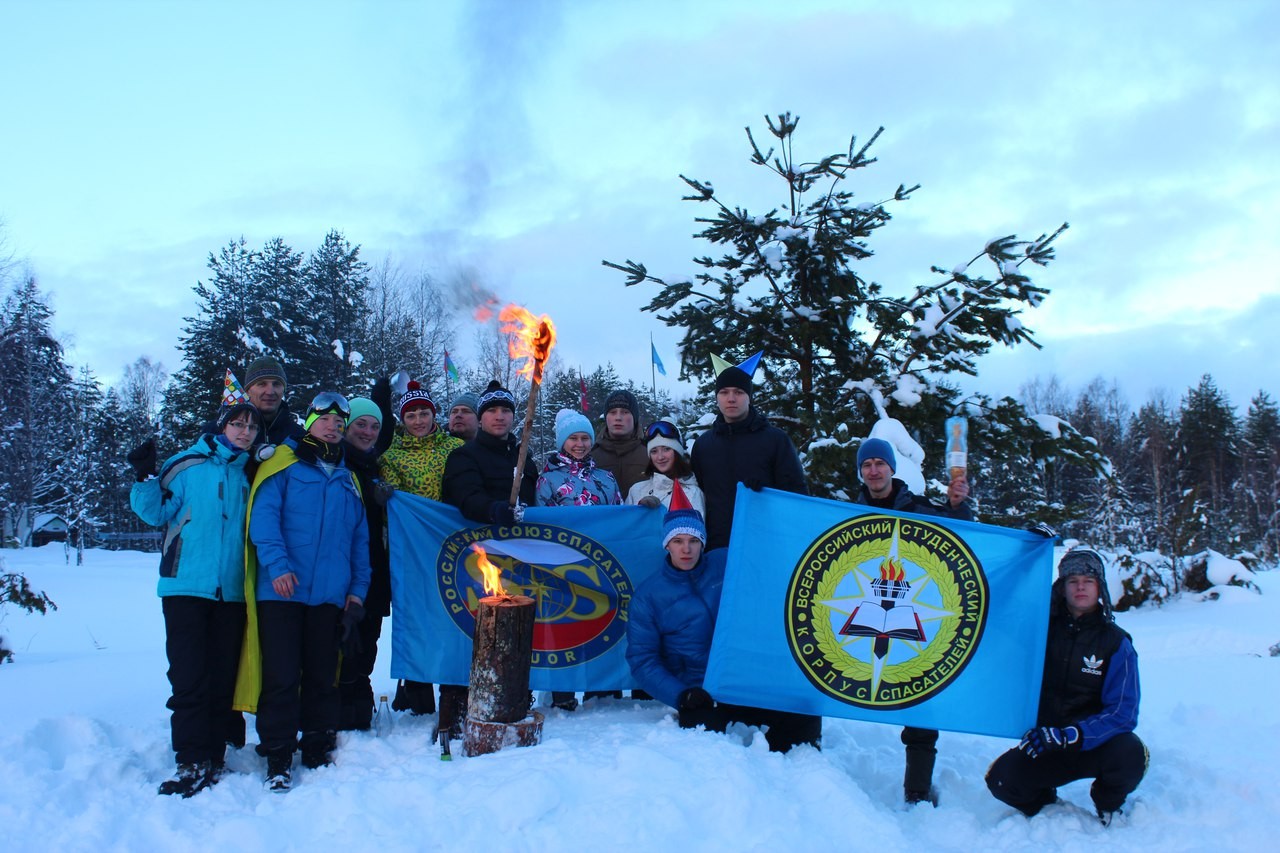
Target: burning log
(498, 712)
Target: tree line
(843, 353)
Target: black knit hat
(734, 377)
(264, 367)
(623, 399)
(496, 395)
(227, 413)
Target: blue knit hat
(682, 518)
(567, 423)
(361, 406)
(877, 448)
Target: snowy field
(84, 741)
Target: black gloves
(1037, 742)
(143, 459)
(1043, 529)
(501, 512)
(382, 492)
(753, 484)
(381, 396)
(694, 699)
(348, 637)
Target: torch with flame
(492, 574)
(531, 339)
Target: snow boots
(279, 766)
(189, 780)
(317, 748)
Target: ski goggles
(666, 429)
(329, 403)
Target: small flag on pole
(657, 362)
(449, 369)
(582, 384)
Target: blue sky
(521, 143)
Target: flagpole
(653, 370)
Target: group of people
(260, 615)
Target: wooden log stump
(481, 737)
(502, 654)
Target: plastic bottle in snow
(383, 722)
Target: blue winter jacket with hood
(308, 518)
(670, 623)
(200, 499)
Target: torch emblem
(882, 611)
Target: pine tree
(1155, 492)
(332, 319)
(1209, 456)
(1260, 480)
(80, 466)
(840, 351)
(33, 409)
(224, 333)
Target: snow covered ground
(84, 741)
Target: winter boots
(189, 780)
(279, 766)
(317, 749)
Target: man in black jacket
(877, 463)
(1088, 702)
(477, 480)
(740, 447)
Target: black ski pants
(354, 686)
(922, 752)
(784, 729)
(299, 673)
(1029, 784)
(202, 642)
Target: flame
(891, 570)
(492, 574)
(531, 339)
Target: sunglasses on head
(330, 403)
(666, 429)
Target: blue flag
(657, 362)
(579, 564)
(850, 611)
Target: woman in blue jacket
(311, 548)
(200, 498)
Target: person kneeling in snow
(669, 630)
(1088, 702)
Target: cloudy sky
(523, 142)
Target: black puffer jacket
(283, 425)
(750, 451)
(479, 473)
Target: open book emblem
(885, 615)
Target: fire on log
(498, 713)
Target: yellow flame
(492, 574)
(531, 339)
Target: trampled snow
(84, 741)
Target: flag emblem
(884, 612)
(579, 589)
